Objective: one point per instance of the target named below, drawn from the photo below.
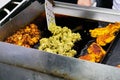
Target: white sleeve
(116, 4)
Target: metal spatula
(49, 12)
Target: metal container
(9, 8)
(33, 61)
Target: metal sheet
(113, 57)
(49, 13)
(10, 12)
(9, 72)
(69, 68)
(94, 13)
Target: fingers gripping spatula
(49, 12)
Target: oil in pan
(79, 25)
(76, 25)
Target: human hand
(84, 2)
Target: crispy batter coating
(95, 53)
(106, 34)
(105, 38)
(88, 57)
(25, 37)
(98, 31)
(113, 27)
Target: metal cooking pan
(60, 66)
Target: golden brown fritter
(104, 39)
(106, 34)
(95, 53)
(113, 27)
(25, 37)
(103, 36)
(88, 57)
(98, 31)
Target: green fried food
(61, 42)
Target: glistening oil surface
(76, 24)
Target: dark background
(100, 3)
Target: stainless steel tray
(60, 66)
(11, 72)
(95, 13)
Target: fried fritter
(25, 37)
(95, 53)
(104, 39)
(88, 57)
(106, 34)
(98, 31)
